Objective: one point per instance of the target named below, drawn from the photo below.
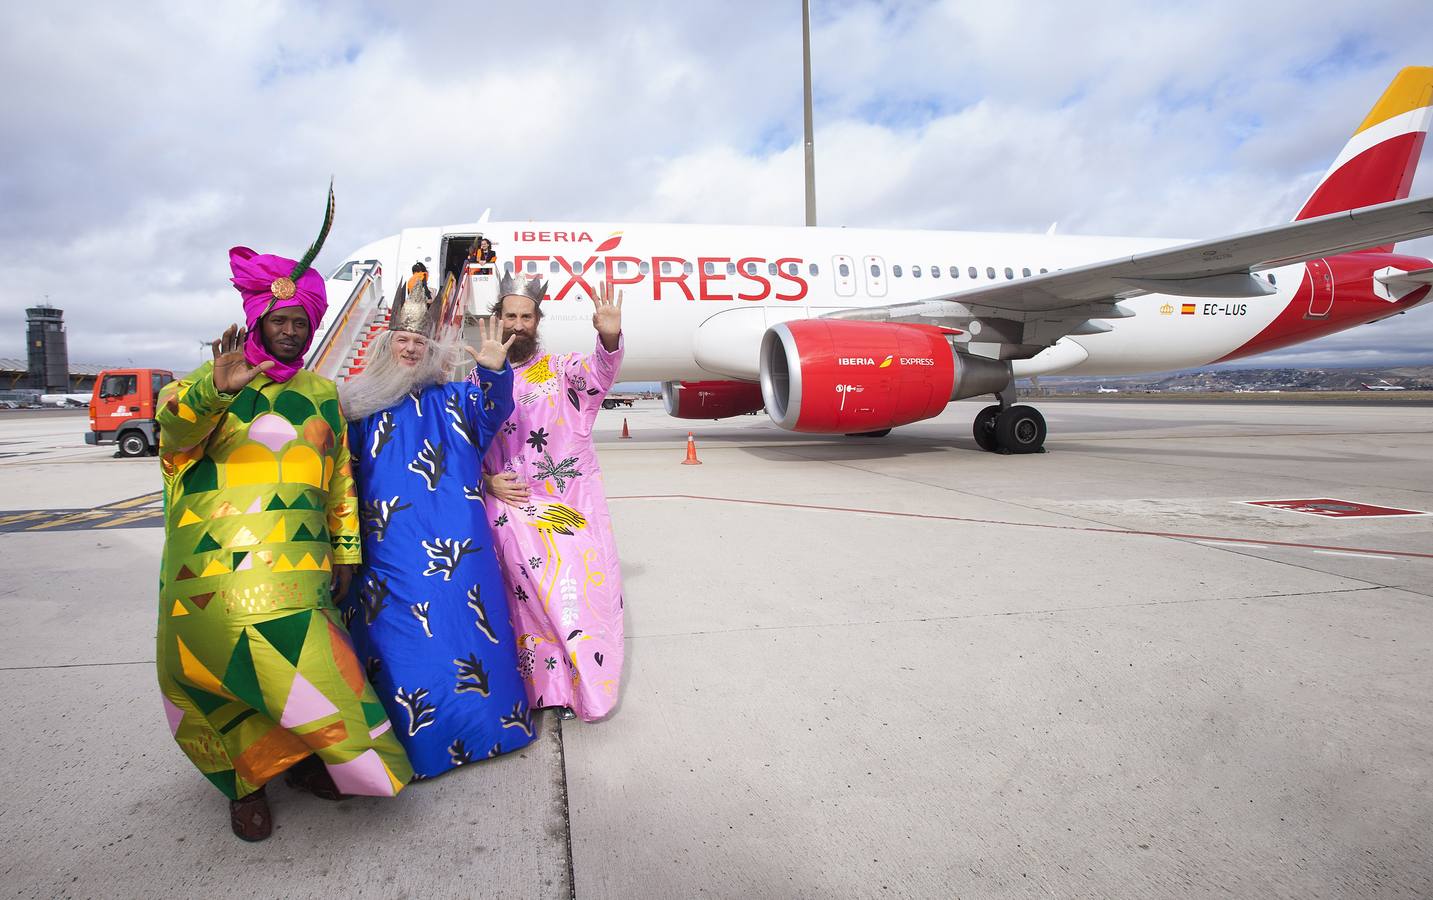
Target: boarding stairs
(356, 358)
(341, 351)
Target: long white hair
(385, 381)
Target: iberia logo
(610, 244)
(886, 363)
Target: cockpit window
(344, 272)
(351, 269)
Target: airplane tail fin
(1378, 162)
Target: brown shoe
(250, 816)
(311, 775)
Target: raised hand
(231, 371)
(492, 351)
(607, 316)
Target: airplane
(68, 401)
(1383, 385)
(1106, 390)
(858, 331)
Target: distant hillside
(1411, 377)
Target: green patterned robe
(255, 667)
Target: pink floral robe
(559, 556)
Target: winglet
(1378, 162)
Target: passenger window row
(669, 267)
(935, 272)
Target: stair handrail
(346, 328)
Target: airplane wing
(1074, 301)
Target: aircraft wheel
(985, 428)
(882, 432)
(132, 443)
(1020, 429)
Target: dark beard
(522, 349)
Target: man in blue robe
(427, 611)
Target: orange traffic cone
(625, 432)
(691, 459)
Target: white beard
(385, 381)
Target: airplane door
(1321, 295)
(843, 269)
(873, 269)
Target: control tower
(45, 346)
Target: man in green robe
(256, 669)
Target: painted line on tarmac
(142, 500)
(935, 517)
(1346, 553)
(136, 512)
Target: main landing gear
(1009, 428)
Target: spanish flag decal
(1186, 309)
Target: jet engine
(844, 376)
(710, 399)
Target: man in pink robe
(548, 510)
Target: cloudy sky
(144, 139)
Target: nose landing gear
(1003, 428)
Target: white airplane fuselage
(698, 298)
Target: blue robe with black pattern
(428, 611)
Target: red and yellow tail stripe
(1378, 162)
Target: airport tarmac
(856, 668)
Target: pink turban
(255, 275)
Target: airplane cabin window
(771, 268)
(709, 267)
(1025, 272)
(972, 272)
(731, 268)
(915, 271)
(896, 271)
(750, 268)
(686, 268)
(602, 265)
(814, 270)
(532, 267)
(507, 267)
(1009, 273)
(666, 268)
(875, 271)
(552, 267)
(955, 271)
(935, 271)
(621, 267)
(644, 267)
(792, 269)
(845, 270)
(990, 272)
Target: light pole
(806, 108)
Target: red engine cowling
(710, 399)
(840, 376)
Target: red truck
(122, 409)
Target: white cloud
(142, 141)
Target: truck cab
(122, 409)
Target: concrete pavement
(856, 668)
